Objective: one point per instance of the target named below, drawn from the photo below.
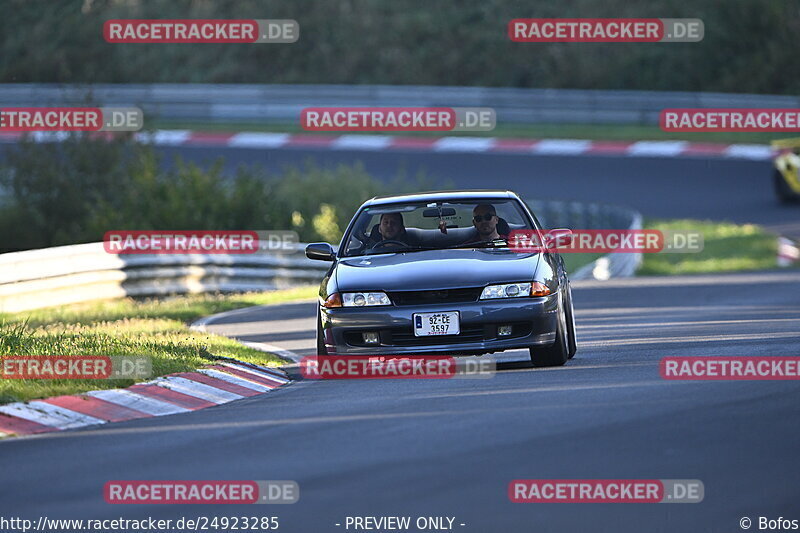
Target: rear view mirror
(434, 212)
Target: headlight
(362, 299)
(508, 290)
(515, 290)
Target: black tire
(782, 190)
(573, 339)
(321, 348)
(557, 353)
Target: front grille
(470, 294)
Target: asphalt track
(450, 447)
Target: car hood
(434, 269)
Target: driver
(391, 228)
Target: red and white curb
(217, 384)
(362, 142)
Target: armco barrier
(577, 215)
(70, 274)
(85, 272)
(283, 103)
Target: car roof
(440, 196)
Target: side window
(360, 234)
(509, 212)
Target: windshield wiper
(394, 251)
(481, 244)
(496, 243)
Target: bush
(57, 189)
(74, 191)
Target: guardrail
(283, 103)
(85, 272)
(554, 214)
(70, 274)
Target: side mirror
(321, 251)
(558, 238)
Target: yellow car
(787, 165)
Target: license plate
(445, 323)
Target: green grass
(604, 132)
(154, 328)
(183, 308)
(727, 248)
(574, 261)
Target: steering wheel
(381, 244)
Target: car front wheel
(321, 348)
(573, 340)
(557, 353)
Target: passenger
(485, 220)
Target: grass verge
(574, 261)
(727, 248)
(155, 328)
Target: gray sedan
(435, 273)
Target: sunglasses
(487, 217)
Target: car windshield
(418, 226)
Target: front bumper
(533, 322)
